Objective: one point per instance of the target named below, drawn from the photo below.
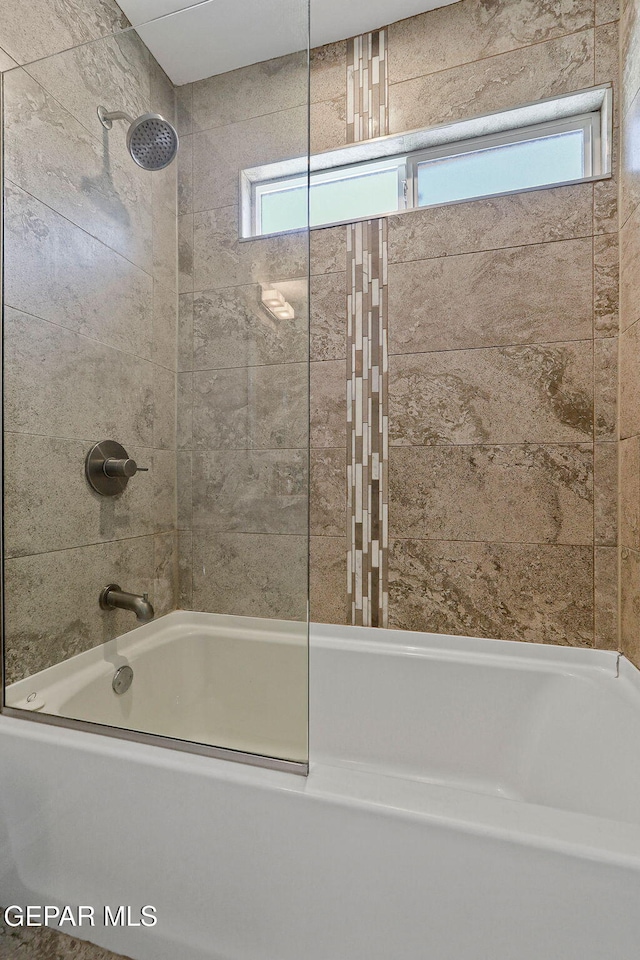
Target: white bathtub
(236, 682)
(467, 800)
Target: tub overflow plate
(122, 680)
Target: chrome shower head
(151, 140)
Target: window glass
(356, 194)
(501, 169)
(282, 210)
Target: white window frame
(405, 152)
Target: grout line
(86, 232)
(501, 53)
(490, 444)
(582, 545)
(511, 246)
(84, 336)
(93, 543)
(499, 346)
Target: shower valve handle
(108, 468)
(122, 468)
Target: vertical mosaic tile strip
(367, 353)
(367, 87)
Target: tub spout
(112, 596)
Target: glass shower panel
(156, 388)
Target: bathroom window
(486, 156)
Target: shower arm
(107, 118)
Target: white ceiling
(220, 35)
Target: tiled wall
(243, 377)
(502, 342)
(499, 476)
(90, 333)
(502, 326)
(630, 331)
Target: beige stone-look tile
(541, 593)
(630, 381)
(538, 216)
(185, 175)
(165, 246)
(61, 384)
(630, 54)
(164, 188)
(251, 491)
(536, 394)
(606, 266)
(44, 517)
(251, 408)
(184, 109)
(629, 273)
(231, 327)
(630, 493)
(524, 494)
(262, 88)
(42, 943)
(161, 488)
(606, 597)
(607, 10)
(55, 271)
(605, 484)
(328, 250)
(607, 61)
(46, 625)
(630, 604)
(328, 299)
(165, 577)
(605, 360)
(221, 260)
(165, 326)
(328, 403)
(6, 62)
(605, 196)
(328, 579)
(162, 92)
(185, 331)
(52, 156)
(184, 483)
(250, 575)
(114, 71)
(630, 162)
(184, 412)
(465, 32)
(497, 83)
(164, 408)
(328, 492)
(220, 154)
(532, 294)
(185, 253)
(328, 124)
(40, 29)
(185, 570)
(328, 67)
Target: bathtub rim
(569, 833)
(298, 767)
